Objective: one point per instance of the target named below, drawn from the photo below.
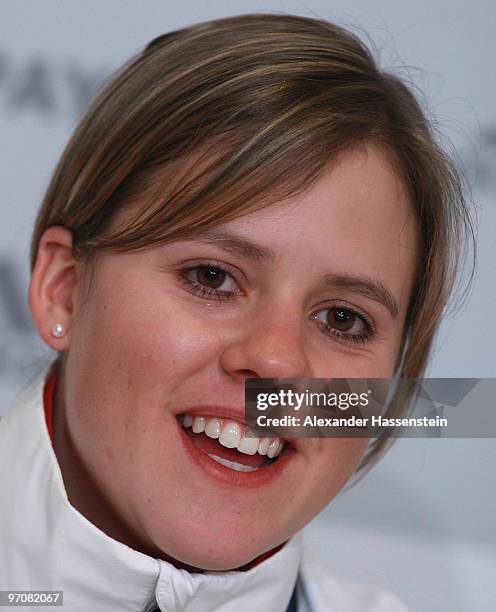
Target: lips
(233, 434)
(230, 442)
(250, 466)
(211, 446)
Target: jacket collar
(60, 549)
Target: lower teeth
(239, 467)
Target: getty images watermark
(364, 407)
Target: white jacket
(46, 544)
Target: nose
(267, 349)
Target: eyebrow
(364, 285)
(368, 286)
(238, 246)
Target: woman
(248, 197)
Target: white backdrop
(423, 522)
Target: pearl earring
(58, 330)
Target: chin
(220, 560)
(212, 556)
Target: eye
(212, 277)
(345, 323)
(208, 280)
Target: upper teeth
(233, 435)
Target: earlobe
(52, 287)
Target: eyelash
(201, 290)
(219, 295)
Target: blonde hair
(209, 121)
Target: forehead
(358, 214)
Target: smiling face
(315, 286)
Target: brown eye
(343, 321)
(210, 281)
(210, 276)
(341, 318)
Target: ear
(52, 288)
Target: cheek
(140, 338)
(130, 359)
(333, 461)
(337, 458)
(378, 362)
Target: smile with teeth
(233, 435)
